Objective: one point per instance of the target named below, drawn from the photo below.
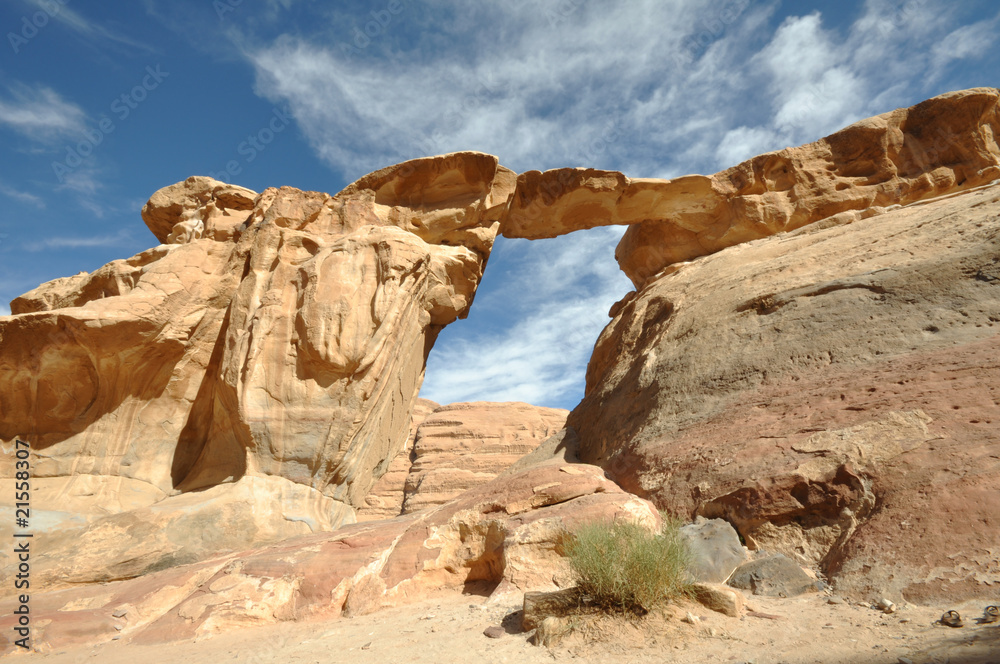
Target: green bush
(624, 567)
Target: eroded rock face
(457, 447)
(504, 535)
(385, 499)
(831, 392)
(278, 337)
(463, 445)
(945, 144)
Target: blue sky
(102, 103)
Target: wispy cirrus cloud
(653, 88)
(22, 196)
(121, 238)
(91, 30)
(534, 347)
(40, 113)
(538, 84)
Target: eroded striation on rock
(457, 447)
(463, 445)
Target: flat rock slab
(775, 576)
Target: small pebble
(494, 631)
(367, 646)
(691, 619)
(905, 660)
(119, 613)
(834, 600)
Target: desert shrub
(622, 566)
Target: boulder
(715, 549)
(720, 599)
(774, 576)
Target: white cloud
(59, 11)
(82, 180)
(40, 113)
(969, 41)
(743, 143)
(652, 88)
(122, 237)
(22, 196)
(536, 347)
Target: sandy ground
(449, 628)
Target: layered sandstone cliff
(249, 378)
(455, 448)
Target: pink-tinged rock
(833, 393)
(506, 534)
(463, 445)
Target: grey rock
(776, 576)
(494, 631)
(715, 549)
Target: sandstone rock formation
(385, 498)
(461, 446)
(945, 144)
(458, 447)
(271, 352)
(825, 381)
(504, 535)
(831, 392)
